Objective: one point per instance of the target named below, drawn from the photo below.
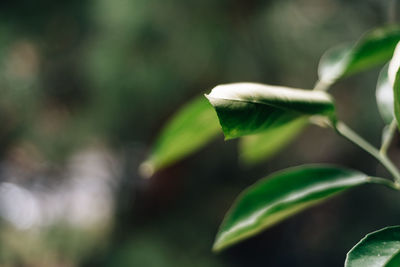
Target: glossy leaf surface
(374, 48)
(394, 261)
(377, 249)
(281, 195)
(256, 148)
(250, 108)
(188, 130)
(384, 96)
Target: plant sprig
(267, 117)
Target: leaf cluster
(268, 117)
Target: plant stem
(321, 86)
(346, 132)
(387, 139)
(385, 182)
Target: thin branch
(387, 139)
(346, 132)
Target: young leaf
(394, 65)
(281, 195)
(250, 108)
(377, 249)
(333, 63)
(384, 96)
(189, 129)
(394, 78)
(258, 147)
(374, 48)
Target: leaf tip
(210, 99)
(217, 246)
(227, 137)
(146, 169)
(222, 242)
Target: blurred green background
(86, 87)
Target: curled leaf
(250, 108)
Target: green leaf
(374, 48)
(281, 195)
(333, 63)
(394, 78)
(250, 108)
(384, 96)
(258, 147)
(377, 249)
(394, 65)
(188, 130)
(396, 88)
(394, 261)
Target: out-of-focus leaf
(258, 147)
(385, 133)
(374, 48)
(281, 195)
(189, 129)
(394, 65)
(396, 89)
(377, 249)
(333, 62)
(250, 108)
(384, 96)
(394, 78)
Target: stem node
(346, 132)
